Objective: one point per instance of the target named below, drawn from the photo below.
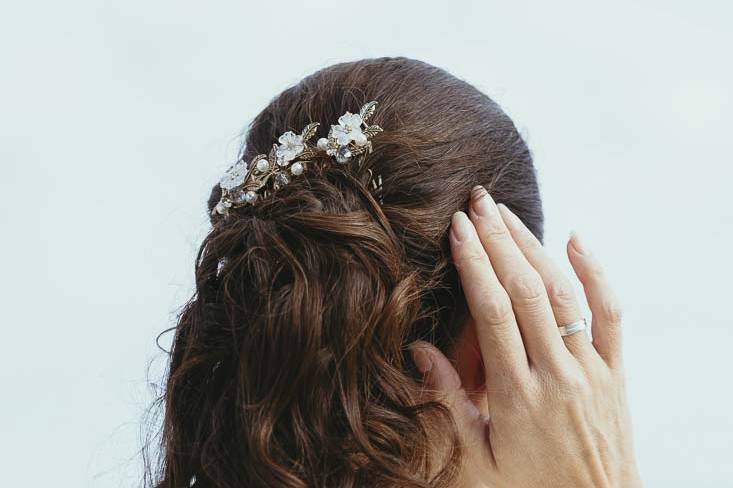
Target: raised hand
(558, 414)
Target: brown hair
(289, 366)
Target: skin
(553, 410)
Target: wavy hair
(289, 365)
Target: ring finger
(564, 303)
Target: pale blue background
(117, 117)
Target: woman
(360, 321)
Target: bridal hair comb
(246, 183)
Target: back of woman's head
(289, 364)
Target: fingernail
(481, 201)
(509, 216)
(422, 360)
(461, 226)
(577, 243)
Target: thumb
(440, 376)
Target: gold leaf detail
(358, 150)
(367, 110)
(307, 153)
(372, 131)
(309, 131)
(256, 183)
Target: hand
(558, 414)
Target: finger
(522, 282)
(602, 301)
(502, 350)
(563, 301)
(440, 376)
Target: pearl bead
(262, 165)
(296, 168)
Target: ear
(466, 357)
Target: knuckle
(530, 242)
(527, 287)
(493, 229)
(497, 309)
(469, 257)
(571, 383)
(527, 241)
(574, 387)
(560, 292)
(611, 311)
(595, 271)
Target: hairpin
(246, 183)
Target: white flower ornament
(291, 145)
(348, 130)
(244, 184)
(234, 176)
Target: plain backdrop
(116, 118)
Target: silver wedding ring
(566, 330)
